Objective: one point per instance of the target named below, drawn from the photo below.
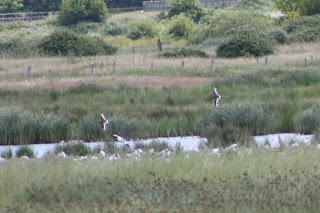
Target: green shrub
(191, 8)
(143, 28)
(277, 35)
(66, 42)
(85, 28)
(245, 43)
(74, 11)
(184, 52)
(253, 5)
(79, 149)
(223, 23)
(24, 151)
(116, 27)
(305, 28)
(180, 26)
(308, 121)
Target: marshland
(49, 96)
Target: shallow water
(189, 143)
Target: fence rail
(27, 16)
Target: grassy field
(145, 96)
(263, 180)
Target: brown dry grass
(69, 71)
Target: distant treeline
(54, 5)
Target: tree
(74, 11)
(299, 7)
(10, 6)
(192, 8)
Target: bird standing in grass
(216, 97)
(103, 122)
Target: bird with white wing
(104, 122)
(216, 97)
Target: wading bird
(104, 122)
(216, 97)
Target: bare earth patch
(135, 81)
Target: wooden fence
(28, 16)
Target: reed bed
(280, 180)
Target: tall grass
(22, 127)
(264, 181)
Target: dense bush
(191, 8)
(143, 28)
(223, 23)
(66, 42)
(184, 52)
(180, 26)
(245, 43)
(309, 7)
(74, 11)
(305, 28)
(309, 120)
(277, 35)
(253, 5)
(116, 27)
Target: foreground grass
(265, 181)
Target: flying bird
(104, 122)
(216, 97)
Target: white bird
(136, 153)
(215, 151)
(24, 157)
(83, 158)
(216, 97)
(318, 146)
(114, 157)
(62, 154)
(103, 122)
(94, 158)
(121, 139)
(231, 148)
(102, 154)
(2, 160)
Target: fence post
(212, 65)
(182, 64)
(114, 67)
(305, 61)
(49, 72)
(159, 44)
(311, 59)
(266, 61)
(29, 71)
(92, 69)
(151, 66)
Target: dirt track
(135, 81)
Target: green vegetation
(191, 8)
(24, 151)
(64, 42)
(74, 11)
(142, 28)
(268, 180)
(245, 43)
(184, 52)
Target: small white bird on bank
(215, 151)
(114, 157)
(62, 154)
(102, 154)
(104, 122)
(2, 160)
(121, 139)
(232, 148)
